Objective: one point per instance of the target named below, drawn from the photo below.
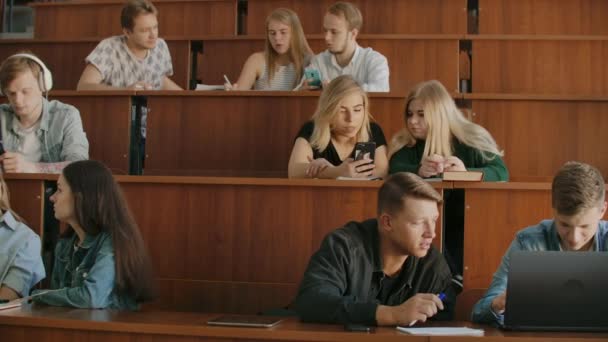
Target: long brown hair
(299, 51)
(100, 206)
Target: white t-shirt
(30, 146)
(120, 68)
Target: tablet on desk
(246, 321)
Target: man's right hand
(416, 309)
(499, 303)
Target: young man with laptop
(578, 200)
(382, 271)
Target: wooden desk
(539, 133)
(494, 213)
(576, 17)
(237, 133)
(379, 16)
(411, 58)
(27, 198)
(101, 18)
(65, 57)
(41, 323)
(240, 244)
(560, 65)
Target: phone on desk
(359, 328)
(313, 77)
(365, 150)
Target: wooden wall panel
(538, 136)
(379, 16)
(539, 66)
(101, 19)
(66, 59)
(243, 134)
(576, 17)
(27, 197)
(411, 59)
(106, 121)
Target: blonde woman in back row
(281, 65)
(437, 137)
(325, 146)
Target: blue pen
(442, 296)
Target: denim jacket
(84, 276)
(20, 260)
(61, 135)
(542, 237)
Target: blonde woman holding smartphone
(325, 146)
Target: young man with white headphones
(343, 56)
(38, 136)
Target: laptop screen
(557, 291)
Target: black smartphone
(365, 149)
(1, 148)
(359, 328)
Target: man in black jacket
(382, 271)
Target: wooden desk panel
(242, 134)
(106, 118)
(576, 17)
(527, 65)
(411, 59)
(66, 59)
(239, 245)
(101, 19)
(27, 200)
(379, 16)
(539, 136)
(38, 323)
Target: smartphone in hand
(365, 150)
(313, 77)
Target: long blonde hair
(299, 51)
(329, 106)
(444, 121)
(5, 203)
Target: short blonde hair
(329, 106)
(444, 121)
(401, 185)
(12, 67)
(299, 50)
(577, 187)
(349, 12)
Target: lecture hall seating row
(98, 19)
(241, 245)
(44, 324)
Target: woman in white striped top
(281, 65)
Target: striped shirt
(284, 78)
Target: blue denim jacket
(61, 135)
(542, 237)
(84, 276)
(20, 260)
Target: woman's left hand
(316, 166)
(453, 164)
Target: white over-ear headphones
(46, 79)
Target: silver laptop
(558, 291)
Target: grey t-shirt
(120, 68)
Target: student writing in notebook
(20, 259)
(37, 135)
(325, 146)
(286, 52)
(100, 260)
(578, 199)
(382, 271)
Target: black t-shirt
(330, 153)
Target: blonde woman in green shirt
(437, 137)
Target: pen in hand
(442, 296)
